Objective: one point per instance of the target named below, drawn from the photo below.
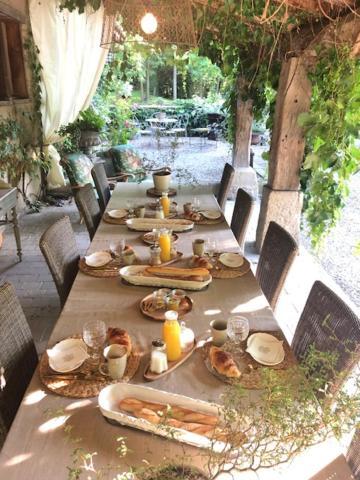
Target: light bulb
(149, 23)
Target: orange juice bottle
(171, 336)
(165, 203)
(165, 245)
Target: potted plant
(162, 179)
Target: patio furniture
(118, 305)
(8, 200)
(18, 356)
(89, 208)
(103, 185)
(277, 255)
(244, 205)
(329, 325)
(58, 245)
(225, 185)
(353, 455)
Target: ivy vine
(331, 127)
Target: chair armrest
(120, 176)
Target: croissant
(223, 363)
(121, 337)
(194, 216)
(197, 261)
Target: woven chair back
(58, 245)
(277, 255)
(353, 455)
(243, 208)
(329, 325)
(102, 186)
(89, 208)
(18, 357)
(225, 184)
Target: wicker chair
(59, 248)
(103, 185)
(89, 208)
(243, 208)
(225, 184)
(328, 323)
(353, 455)
(277, 255)
(18, 356)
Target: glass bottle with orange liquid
(165, 203)
(165, 245)
(172, 336)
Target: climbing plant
(332, 127)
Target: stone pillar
(245, 176)
(282, 199)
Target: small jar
(158, 362)
(155, 251)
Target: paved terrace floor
(37, 292)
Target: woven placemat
(114, 221)
(84, 387)
(110, 270)
(221, 271)
(251, 370)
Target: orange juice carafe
(171, 336)
(165, 203)
(165, 245)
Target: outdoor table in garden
(37, 446)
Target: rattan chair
(58, 245)
(329, 325)
(105, 184)
(89, 208)
(353, 455)
(243, 208)
(18, 357)
(225, 184)
(277, 255)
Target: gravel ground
(205, 161)
(338, 255)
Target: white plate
(98, 259)
(232, 260)
(265, 348)
(211, 214)
(111, 395)
(67, 355)
(133, 274)
(120, 213)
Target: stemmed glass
(94, 335)
(238, 328)
(196, 204)
(211, 248)
(130, 207)
(156, 237)
(117, 247)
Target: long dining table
(37, 446)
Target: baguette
(177, 272)
(133, 405)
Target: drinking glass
(117, 247)
(94, 335)
(238, 328)
(211, 247)
(156, 233)
(159, 297)
(196, 204)
(130, 207)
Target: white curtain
(72, 62)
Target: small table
(8, 200)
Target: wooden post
(282, 199)
(245, 176)
(174, 82)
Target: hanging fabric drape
(72, 61)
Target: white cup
(219, 332)
(116, 356)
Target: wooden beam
(10, 13)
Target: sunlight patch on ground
(79, 404)
(256, 303)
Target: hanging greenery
(332, 127)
